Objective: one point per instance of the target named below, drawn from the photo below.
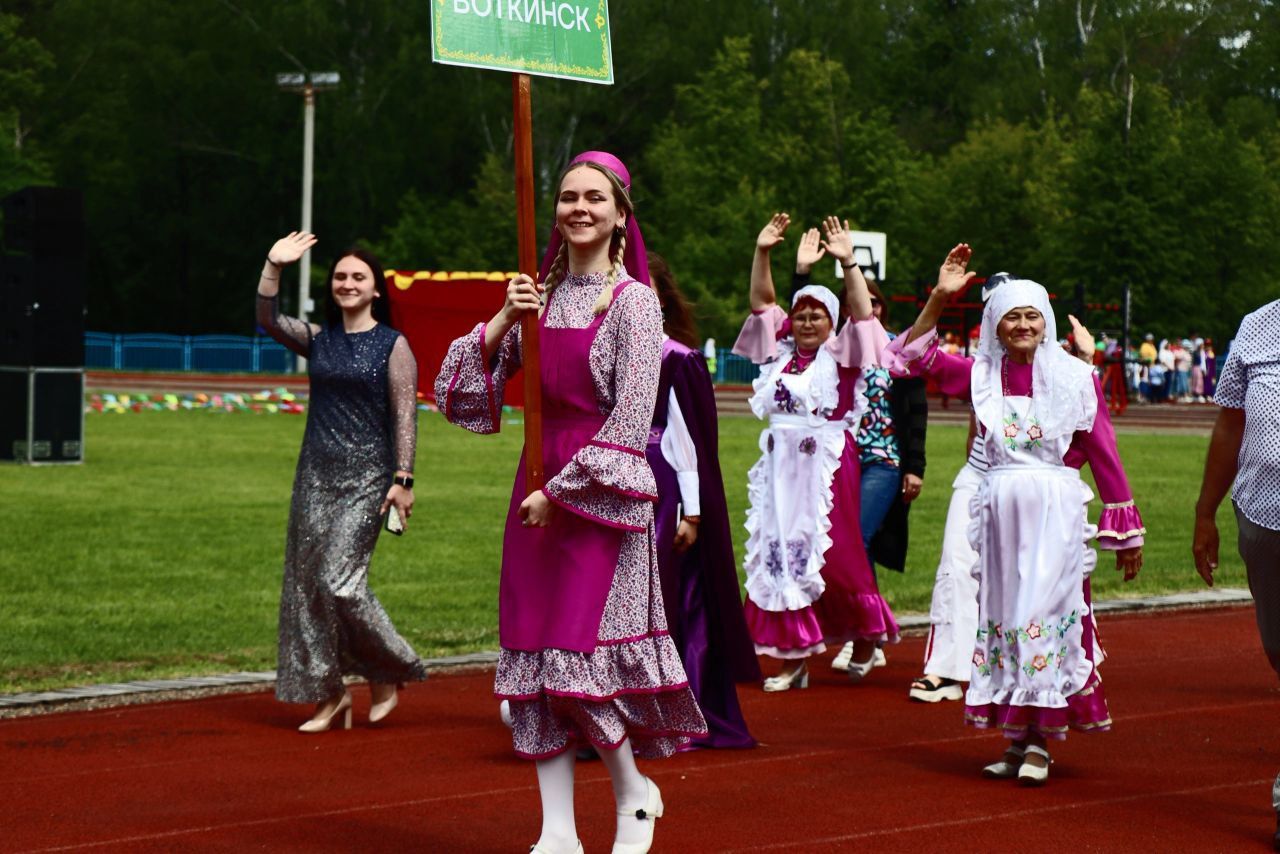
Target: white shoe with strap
(1008, 766)
(648, 814)
(1034, 775)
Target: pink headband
(635, 259)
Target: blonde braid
(606, 295)
(555, 275)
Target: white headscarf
(822, 295)
(1061, 385)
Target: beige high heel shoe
(322, 723)
(378, 711)
(798, 678)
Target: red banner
(432, 309)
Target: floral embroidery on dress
(1034, 434)
(782, 397)
(809, 445)
(792, 563)
(1013, 426)
(1065, 624)
(1011, 431)
(1036, 629)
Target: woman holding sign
(586, 654)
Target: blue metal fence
(242, 354)
(734, 369)
(205, 353)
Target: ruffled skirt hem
(808, 631)
(1085, 711)
(658, 724)
(631, 688)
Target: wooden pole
(528, 259)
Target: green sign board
(553, 38)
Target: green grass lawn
(161, 555)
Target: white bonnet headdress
(1062, 385)
(822, 295)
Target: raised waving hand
(809, 252)
(1083, 339)
(762, 293)
(291, 247)
(773, 232)
(954, 275)
(839, 244)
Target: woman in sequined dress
(1041, 415)
(809, 582)
(356, 464)
(586, 655)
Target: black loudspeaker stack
(42, 308)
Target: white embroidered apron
(789, 488)
(1030, 528)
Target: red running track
(1189, 767)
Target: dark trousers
(1260, 549)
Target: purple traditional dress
(700, 586)
(1036, 652)
(809, 582)
(586, 653)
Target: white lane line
(808, 844)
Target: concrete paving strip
(107, 693)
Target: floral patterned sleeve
(470, 385)
(609, 481)
(1120, 525)
(289, 331)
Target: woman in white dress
(1041, 416)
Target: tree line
(1070, 141)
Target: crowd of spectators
(1173, 371)
(1168, 370)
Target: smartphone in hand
(394, 523)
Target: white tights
(555, 784)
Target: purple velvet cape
(685, 372)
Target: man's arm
(1219, 473)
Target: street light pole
(307, 85)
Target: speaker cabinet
(41, 311)
(43, 418)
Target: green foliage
(24, 63)
(461, 233)
(1088, 143)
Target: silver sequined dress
(361, 427)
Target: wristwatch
(405, 480)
